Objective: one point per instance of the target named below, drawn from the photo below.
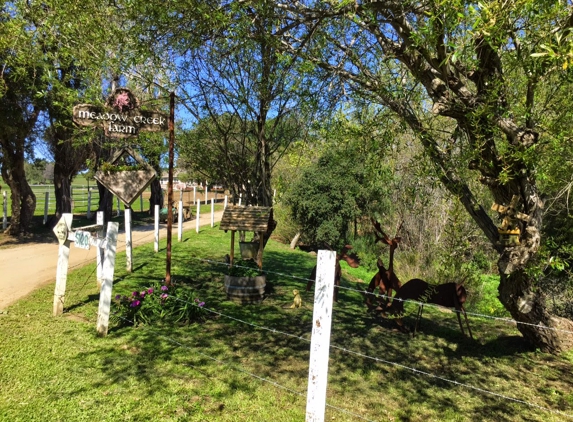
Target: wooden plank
(106, 288)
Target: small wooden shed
(249, 219)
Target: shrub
(175, 304)
(245, 268)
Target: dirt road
(25, 268)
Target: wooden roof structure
(249, 219)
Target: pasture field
(250, 362)
(80, 194)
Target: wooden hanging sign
(121, 116)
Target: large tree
(462, 77)
(20, 79)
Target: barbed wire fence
(341, 348)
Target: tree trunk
(156, 197)
(526, 305)
(105, 203)
(21, 194)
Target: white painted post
(194, 195)
(61, 230)
(108, 269)
(225, 203)
(198, 216)
(128, 242)
(46, 204)
(118, 210)
(240, 198)
(89, 214)
(212, 212)
(180, 220)
(156, 230)
(320, 340)
(100, 251)
(206, 193)
(4, 211)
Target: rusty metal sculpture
(351, 259)
(449, 295)
(385, 279)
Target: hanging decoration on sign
(121, 116)
(127, 175)
(82, 239)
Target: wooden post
(320, 340)
(128, 242)
(260, 251)
(106, 288)
(46, 205)
(170, 187)
(180, 221)
(100, 251)
(89, 213)
(198, 216)
(225, 203)
(61, 230)
(232, 247)
(212, 212)
(4, 211)
(156, 230)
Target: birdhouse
(509, 237)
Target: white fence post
(212, 212)
(225, 203)
(108, 269)
(156, 230)
(206, 193)
(89, 213)
(180, 220)
(320, 340)
(194, 195)
(61, 230)
(240, 199)
(4, 211)
(46, 205)
(198, 216)
(128, 242)
(100, 251)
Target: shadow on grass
(369, 357)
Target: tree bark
(21, 194)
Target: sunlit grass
(230, 368)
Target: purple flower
(164, 288)
(201, 304)
(150, 291)
(135, 303)
(164, 296)
(135, 294)
(117, 297)
(142, 294)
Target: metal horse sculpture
(385, 279)
(351, 260)
(449, 295)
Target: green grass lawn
(250, 362)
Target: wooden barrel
(245, 289)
